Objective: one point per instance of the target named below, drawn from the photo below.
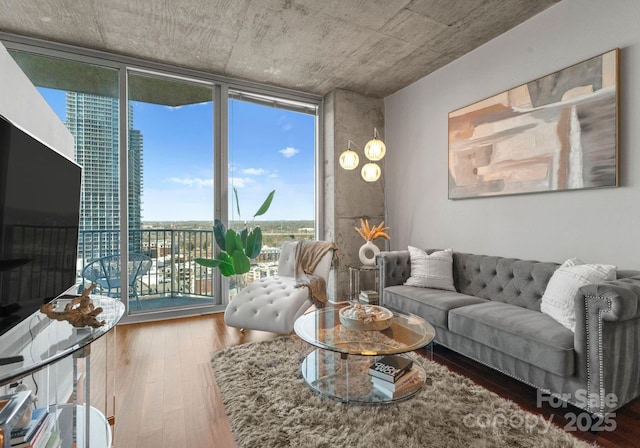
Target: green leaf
(207, 263)
(235, 192)
(243, 237)
(239, 244)
(226, 264)
(241, 263)
(254, 243)
(232, 241)
(219, 232)
(265, 205)
(223, 262)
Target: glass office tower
(93, 121)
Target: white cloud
(289, 152)
(240, 182)
(254, 171)
(287, 127)
(192, 182)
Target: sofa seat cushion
(433, 305)
(530, 336)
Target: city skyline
(270, 149)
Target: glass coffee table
(339, 366)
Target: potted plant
(237, 248)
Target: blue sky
(269, 149)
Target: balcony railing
(174, 273)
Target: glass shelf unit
(41, 343)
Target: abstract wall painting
(559, 132)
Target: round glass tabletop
(322, 328)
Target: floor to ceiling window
(179, 149)
(171, 173)
(271, 148)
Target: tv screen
(39, 224)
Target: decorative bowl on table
(365, 317)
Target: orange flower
(371, 233)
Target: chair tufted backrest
(509, 280)
(287, 262)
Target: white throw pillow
(431, 271)
(558, 298)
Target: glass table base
(347, 379)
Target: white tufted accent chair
(274, 303)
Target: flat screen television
(39, 224)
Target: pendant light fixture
(374, 150)
(349, 158)
(371, 172)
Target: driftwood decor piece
(80, 312)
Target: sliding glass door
(170, 184)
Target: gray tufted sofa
(495, 318)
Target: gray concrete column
(348, 197)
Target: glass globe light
(349, 159)
(371, 172)
(375, 149)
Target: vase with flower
(369, 250)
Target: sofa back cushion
(508, 280)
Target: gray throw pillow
(431, 271)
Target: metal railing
(174, 273)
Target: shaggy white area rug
(270, 405)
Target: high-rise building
(93, 121)
(135, 187)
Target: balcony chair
(274, 303)
(105, 272)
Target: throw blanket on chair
(308, 255)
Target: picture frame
(556, 133)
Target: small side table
(355, 273)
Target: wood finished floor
(166, 394)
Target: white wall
(599, 226)
(22, 104)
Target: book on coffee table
(412, 381)
(390, 367)
(379, 383)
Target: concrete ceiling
(373, 47)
